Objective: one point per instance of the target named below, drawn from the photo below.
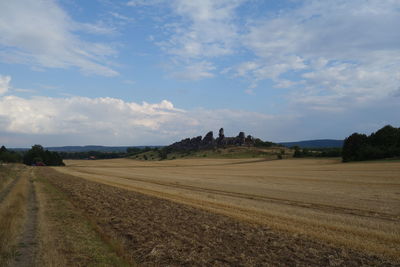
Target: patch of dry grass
(12, 217)
(7, 173)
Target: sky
(153, 72)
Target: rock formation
(208, 142)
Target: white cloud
(4, 84)
(41, 34)
(202, 30)
(333, 49)
(206, 30)
(143, 2)
(110, 121)
(45, 115)
(319, 49)
(98, 27)
(195, 71)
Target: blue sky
(153, 72)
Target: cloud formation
(195, 71)
(322, 51)
(4, 84)
(330, 49)
(113, 121)
(42, 35)
(201, 30)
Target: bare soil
(156, 231)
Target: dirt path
(27, 246)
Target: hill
(88, 148)
(319, 143)
(232, 152)
(116, 149)
(240, 146)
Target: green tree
(297, 152)
(352, 146)
(9, 156)
(384, 143)
(37, 154)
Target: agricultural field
(217, 212)
(355, 205)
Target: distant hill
(86, 148)
(320, 143)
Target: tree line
(384, 143)
(9, 156)
(130, 151)
(328, 152)
(37, 155)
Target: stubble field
(354, 206)
(219, 212)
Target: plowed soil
(155, 231)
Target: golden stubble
(356, 205)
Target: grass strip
(68, 237)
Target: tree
(9, 156)
(384, 143)
(297, 152)
(352, 146)
(3, 149)
(38, 155)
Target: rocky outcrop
(208, 142)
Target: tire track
(27, 247)
(8, 188)
(181, 166)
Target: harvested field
(354, 206)
(154, 231)
(200, 212)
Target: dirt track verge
(160, 232)
(27, 247)
(7, 188)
